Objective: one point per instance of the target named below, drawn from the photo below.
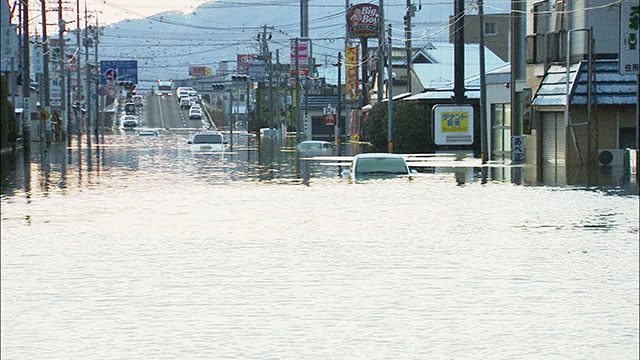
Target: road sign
(111, 92)
(329, 116)
(119, 70)
(102, 91)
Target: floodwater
(141, 249)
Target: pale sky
(112, 11)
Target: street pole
(298, 112)
(98, 120)
(407, 33)
(390, 93)
(231, 117)
(45, 76)
(339, 106)
(483, 88)
(87, 73)
(458, 52)
(381, 42)
(64, 113)
(26, 78)
(77, 93)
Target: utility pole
(458, 52)
(98, 120)
(483, 88)
(390, 94)
(339, 106)
(278, 120)
(87, 73)
(381, 41)
(518, 10)
(298, 119)
(304, 18)
(45, 51)
(77, 93)
(407, 31)
(26, 78)
(64, 113)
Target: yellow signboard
(352, 79)
(454, 122)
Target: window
(500, 130)
(490, 28)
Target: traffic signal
(241, 78)
(217, 86)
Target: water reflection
(252, 159)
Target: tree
(8, 130)
(411, 128)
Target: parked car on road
(184, 102)
(377, 166)
(195, 114)
(137, 100)
(207, 141)
(129, 122)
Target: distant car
(377, 166)
(207, 141)
(193, 97)
(184, 102)
(137, 100)
(195, 114)
(315, 147)
(129, 122)
(130, 108)
(148, 133)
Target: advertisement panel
(453, 124)
(363, 20)
(304, 46)
(200, 71)
(352, 70)
(629, 49)
(118, 70)
(242, 63)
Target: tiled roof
(610, 88)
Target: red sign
(203, 71)
(302, 72)
(329, 119)
(362, 20)
(242, 63)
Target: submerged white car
(377, 166)
(204, 141)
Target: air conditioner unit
(611, 157)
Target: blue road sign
(119, 70)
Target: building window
(490, 28)
(501, 131)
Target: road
(164, 112)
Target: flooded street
(141, 249)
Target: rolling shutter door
(553, 138)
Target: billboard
(352, 79)
(199, 71)
(304, 50)
(242, 63)
(453, 124)
(629, 47)
(118, 70)
(363, 20)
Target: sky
(111, 11)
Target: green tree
(411, 128)
(8, 131)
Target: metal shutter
(553, 138)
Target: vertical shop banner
(629, 34)
(303, 56)
(352, 70)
